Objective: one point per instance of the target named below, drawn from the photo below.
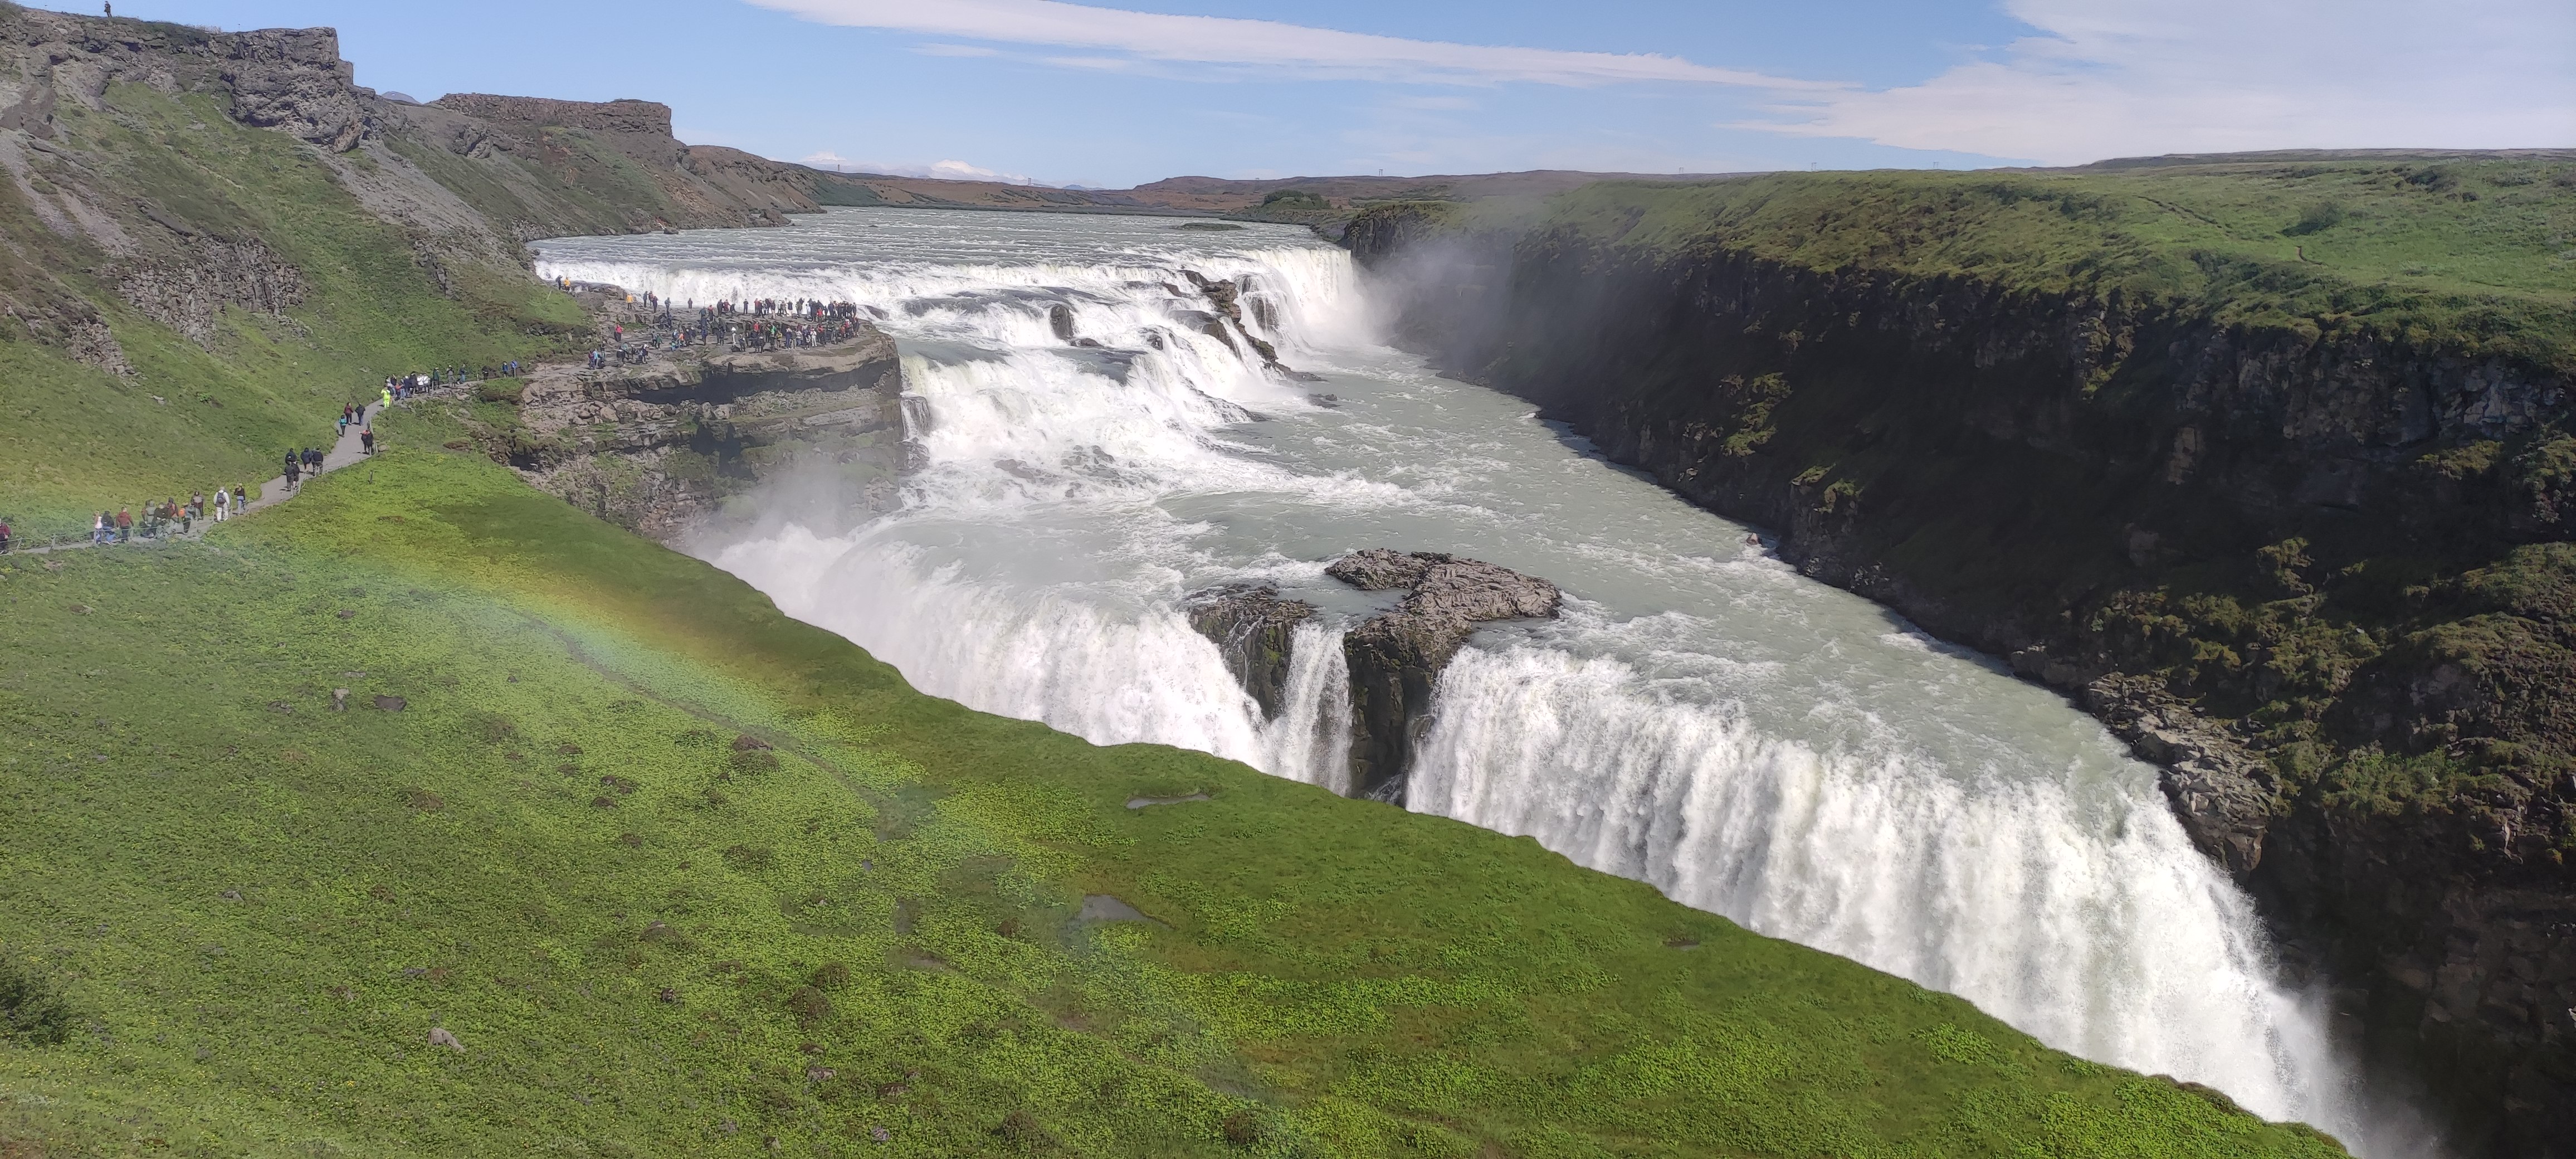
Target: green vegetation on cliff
(2268, 461)
(2479, 250)
(676, 873)
(108, 400)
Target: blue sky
(1126, 91)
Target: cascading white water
(1748, 741)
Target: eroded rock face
(293, 80)
(1227, 325)
(188, 296)
(656, 447)
(1253, 625)
(1396, 656)
(2220, 791)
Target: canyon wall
(2312, 568)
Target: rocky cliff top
(1445, 586)
(620, 116)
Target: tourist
(4, 537)
(223, 499)
(124, 525)
(367, 441)
(241, 499)
(294, 467)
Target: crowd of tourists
(761, 324)
(162, 518)
(167, 517)
(401, 386)
(772, 324)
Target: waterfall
(2094, 926)
(1747, 741)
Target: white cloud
(2113, 78)
(946, 170)
(1263, 44)
(954, 50)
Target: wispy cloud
(2112, 78)
(954, 50)
(1265, 44)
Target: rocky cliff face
(2307, 568)
(657, 447)
(1394, 658)
(464, 181)
(696, 185)
(1254, 627)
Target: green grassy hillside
(683, 876)
(78, 433)
(2481, 250)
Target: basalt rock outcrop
(1397, 655)
(1254, 628)
(1394, 658)
(1228, 296)
(659, 445)
(2221, 791)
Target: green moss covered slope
(106, 403)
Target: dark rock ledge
(1395, 657)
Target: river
(1701, 717)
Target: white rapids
(1701, 718)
